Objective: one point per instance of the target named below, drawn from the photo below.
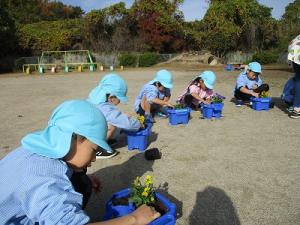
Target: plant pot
(212, 110)
(207, 111)
(112, 211)
(259, 104)
(139, 139)
(179, 116)
(217, 109)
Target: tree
(159, 24)
(31, 11)
(230, 25)
(8, 39)
(290, 24)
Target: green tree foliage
(290, 24)
(108, 29)
(159, 24)
(50, 35)
(30, 11)
(7, 33)
(236, 25)
(128, 60)
(148, 59)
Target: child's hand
(207, 101)
(144, 215)
(169, 105)
(256, 95)
(96, 184)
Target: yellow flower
(146, 189)
(145, 194)
(152, 199)
(141, 119)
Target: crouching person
(36, 178)
(249, 84)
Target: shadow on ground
(280, 104)
(213, 207)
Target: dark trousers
(82, 184)
(246, 97)
(188, 101)
(154, 108)
(296, 101)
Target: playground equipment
(62, 60)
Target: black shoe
(102, 154)
(295, 114)
(290, 109)
(112, 142)
(239, 103)
(152, 154)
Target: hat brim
(101, 143)
(123, 99)
(208, 85)
(51, 142)
(166, 85)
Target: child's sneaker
(290, 109)
(162, 115)
(112, 142)
(295, 114)
(239, 103)
(102, 154)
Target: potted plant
(214, 109)
(139, 139)
(127, 200)
(261, 103)
(179, 114)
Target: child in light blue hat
(112, 90)
(199, 90)
(249, 84)
(154, 93)
(44, 182)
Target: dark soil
(120, 201)
(157, 205)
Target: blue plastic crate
(179, 116)
(212, 110)
(217, 109)
(207, 111)
(259, 104)
(116, 211)
(139, 139)
(229, 67)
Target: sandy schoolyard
(241, 169)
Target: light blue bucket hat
(75, 116)
(164, 77)
(255, 67)
(111, 84)
(209, 78)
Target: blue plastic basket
(217, 109)
(259, 104)
(212, 110)
(229, 67)
(207, 111)
(179, 116)
(116, 211)
(139, 139)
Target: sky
(192, 9)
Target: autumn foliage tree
(159, 24)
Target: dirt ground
(240, 169)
